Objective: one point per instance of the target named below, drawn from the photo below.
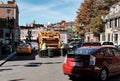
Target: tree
(90, 13)
(85, 13)
(95, 26)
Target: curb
(7, 58)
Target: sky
(46, 11)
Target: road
(37, 69)
(40, 69)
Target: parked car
(91, 44)
(93, 61)
(34, 46)
(75, 44)
(24, 48)
(72, 45)
(118, 46)
(107, 43)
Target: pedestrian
(62, 48)
(43, 48)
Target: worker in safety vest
(62, 44)
(62, 47)
(43, 48)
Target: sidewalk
(5, 51)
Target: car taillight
(92, 60)
(65, 59)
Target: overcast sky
(45, 11)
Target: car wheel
(103, 74)
(72, 77)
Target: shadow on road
(23, 57)
(33, 64)
(36, 64)
(114, 78)
(52, 63)
(21, 79)
(1, 70)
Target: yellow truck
(52, 40)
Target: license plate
(78, 64)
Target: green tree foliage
(90, 13)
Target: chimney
(11, 2)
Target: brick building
(9, 16)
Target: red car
(95, 61)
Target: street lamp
(83, 31)
(8, 25)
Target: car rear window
(23, 45)
(83, 51)
(91, 44)
(108, 43)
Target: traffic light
(29, 34)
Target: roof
(114, 15)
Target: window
(110, 23)
(106, 52)
(116, 38)
(110, 52)
(112, 37)
(115, 22)
(102, 53)
(84, 51)
(1, 33)
(7, 35)
(108, 37)
(116, 52)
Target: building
(90, 37)
(61, 27)
(31, 31)
(112, 25)
(34, 29)
(9, 18)
(70, 25)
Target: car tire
(103, 75)
(72, 77)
